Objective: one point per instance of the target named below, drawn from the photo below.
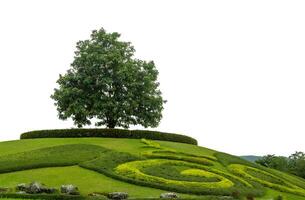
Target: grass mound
(143, 168)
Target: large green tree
(107, 85)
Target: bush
(112, 133)
(172, 155)
(134, 172)
(250, 197)
(236, 194)
(280, 197)
(266, 179)
(63, 155)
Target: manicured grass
(88, 181)
(133, 146)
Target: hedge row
(177, 156)
(62, 155)
(241, 170)
(112, 133)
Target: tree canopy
(107, 85)
(294, 164)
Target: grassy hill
(144, 168)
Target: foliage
(112, 133)
(106, 82)
(297, 164)
(272, 161)
(294, 164)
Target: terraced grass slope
(143, 168)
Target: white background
(232, 71)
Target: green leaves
(107, 83)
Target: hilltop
(142, 163)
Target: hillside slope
(140, 167)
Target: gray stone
(35, 188)
(48, 190)
(22, 187)
(117, 195)
(69, 189)
(169, 195)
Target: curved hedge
(266, 179)
(112, 133)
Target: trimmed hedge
(279, 184)
(171, 155)
(62, 155)
(112, 133)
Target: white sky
(232, 71)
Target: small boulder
(35, 188)
(22, 187)
(169, 195)
(48, 190)
(69, 189)
(117, 195)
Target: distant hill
(251, 158)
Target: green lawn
(133, 146)
(88, 181)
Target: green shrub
(279, 197)
(63, 155)
(112, 133)
(276, 182)
(172, 155)
(250, 197)
(175, 172)
(236, 194)
(134, 172)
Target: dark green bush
(112, 133)
(280, 197)
(62, 155)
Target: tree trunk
(111, 123)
